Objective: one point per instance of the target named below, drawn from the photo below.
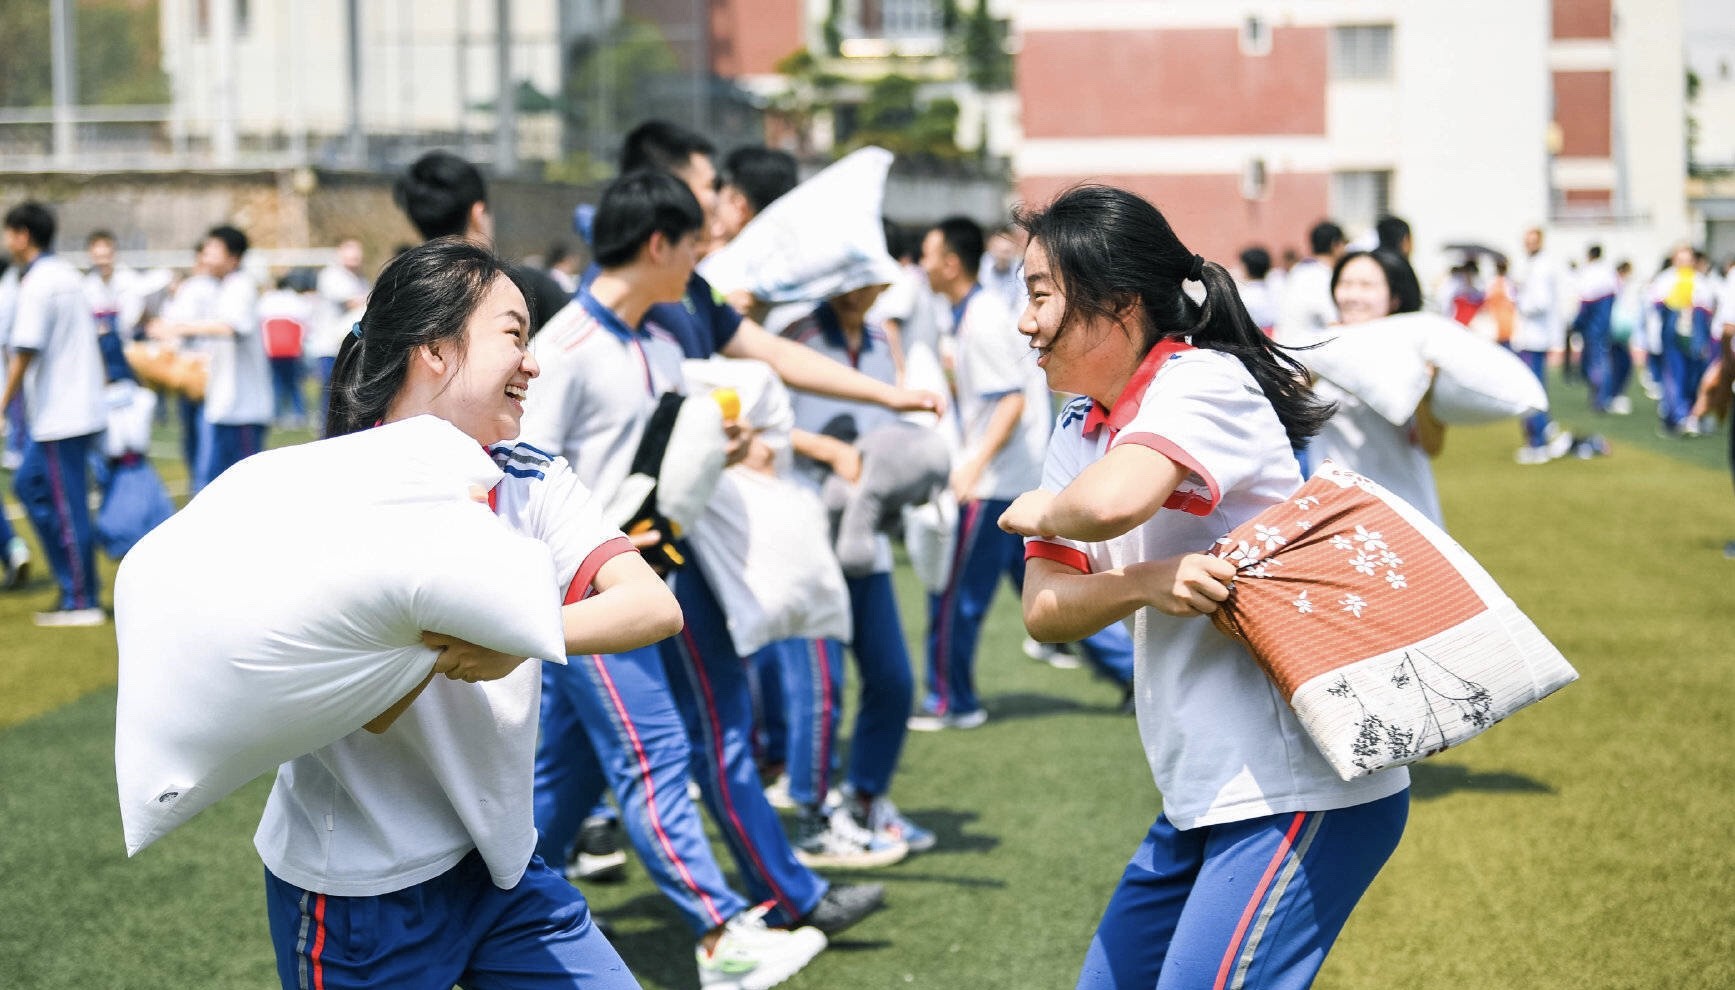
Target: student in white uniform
(1185, 429)
(342, 290)
(238, 395)
(1368, 285)
(116, 292)
(1306, 305)
(401, 856)
(54, 363)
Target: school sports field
(1585, 844)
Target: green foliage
(117, 48)
(832, 29)
(987, 64)
(609, 76)
(892, 118)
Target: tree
(118, 53)
(986, 63)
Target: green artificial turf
(1582, 844)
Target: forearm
(1002, 424)
(807, 369)
(1062, 605)
(1112, 496)
(15, 376)
(1430, 432)
(633, 610)
(203, 328)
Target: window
(1360, 198)
(1361, 51)
(1255, 36)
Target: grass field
(1582, 845)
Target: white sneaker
(1620, 405)
(1531, 455)
(925, 722)
(884, 819)
(1559, 445)
(17, 564)
(833, 840)
(777, 795)
(67, 618)
(1050, 654)
(752, 956)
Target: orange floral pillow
(1387, 639)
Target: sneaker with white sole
(600, 858)
(844, 904)
(750, 956)
(17, 561)
(1620, 405)
(833, 840)
(68, 618)
(883, 818)
(931, 722)
(1055, 655)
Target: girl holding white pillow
(402, 856)
(1185, 428)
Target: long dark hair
(1111, 248)
(424, 296)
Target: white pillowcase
(1385, 363)
(283, 608)
(1477, 380)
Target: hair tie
(1197, 272)
(355, 331)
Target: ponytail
(1224, 325)
(1112, 248)
(424, 297)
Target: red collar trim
(1126, 405)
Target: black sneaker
(600, 858)
(843, 905)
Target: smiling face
(483, 384)
(1362, 293)
(1086, 355)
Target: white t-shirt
(338, 289)
(899, 300)
(814, 412)
(598, 385)
(1357, 438)
(1307, 306)
(63, 387)
(1542, 296)
(238, 390)
(1222, 744)
(120, 296)
(992, 360)
(371, 814)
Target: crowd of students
(1185, 403)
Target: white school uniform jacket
(371, 814)
(336, 287)
(1543, 295)
(599, 384)
(1222, 744)
(238, 389)
(63, 387)
(1306, 307)
(121, 296)
(991, 360)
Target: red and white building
(1249, 121)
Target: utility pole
(224, 144)
(65, 79)
(505, 99)
(356, 144)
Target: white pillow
(1379, 362)
(283, 608)
(1385, 363)
(1477, 380)
(820, 239)
(764, 544)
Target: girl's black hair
(1400, 278)
(424, 296)
(1109, 248)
